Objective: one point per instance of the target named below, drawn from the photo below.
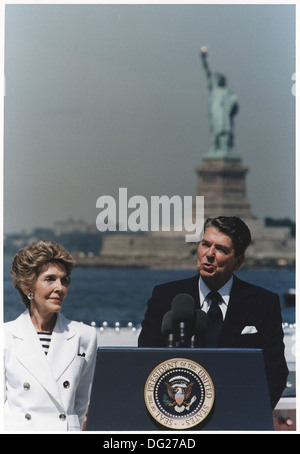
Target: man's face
(216, 258)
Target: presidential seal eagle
(179, 393)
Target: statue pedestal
(222, 183)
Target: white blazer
(47, 392)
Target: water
(121, 294)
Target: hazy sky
(100, 97)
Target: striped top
(45, 339)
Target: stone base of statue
(222, 182)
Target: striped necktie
(215, 320)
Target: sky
(102, 97)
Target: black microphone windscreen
(183, 308)
(166, 325)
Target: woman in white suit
(49, 361)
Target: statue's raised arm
(203, 55)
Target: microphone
(201, 324)
(167, 329)
(183, 314)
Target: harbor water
(120, 295)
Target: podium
(145, 389)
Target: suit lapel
(238, 308)
(193, 289)
(63, 348)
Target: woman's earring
(30, 295)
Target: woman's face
(50, 288)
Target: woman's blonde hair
(27, 264)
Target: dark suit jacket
(249, 305)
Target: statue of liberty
(223, 106)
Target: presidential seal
(179, 393)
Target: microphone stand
(182, 337)
(170, 341)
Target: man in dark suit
(250, 316)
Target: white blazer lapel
(31, 355)
(64, 346)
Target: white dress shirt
(223, 291)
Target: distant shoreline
(175, 263)
(170, 263)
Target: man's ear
(239, 261)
